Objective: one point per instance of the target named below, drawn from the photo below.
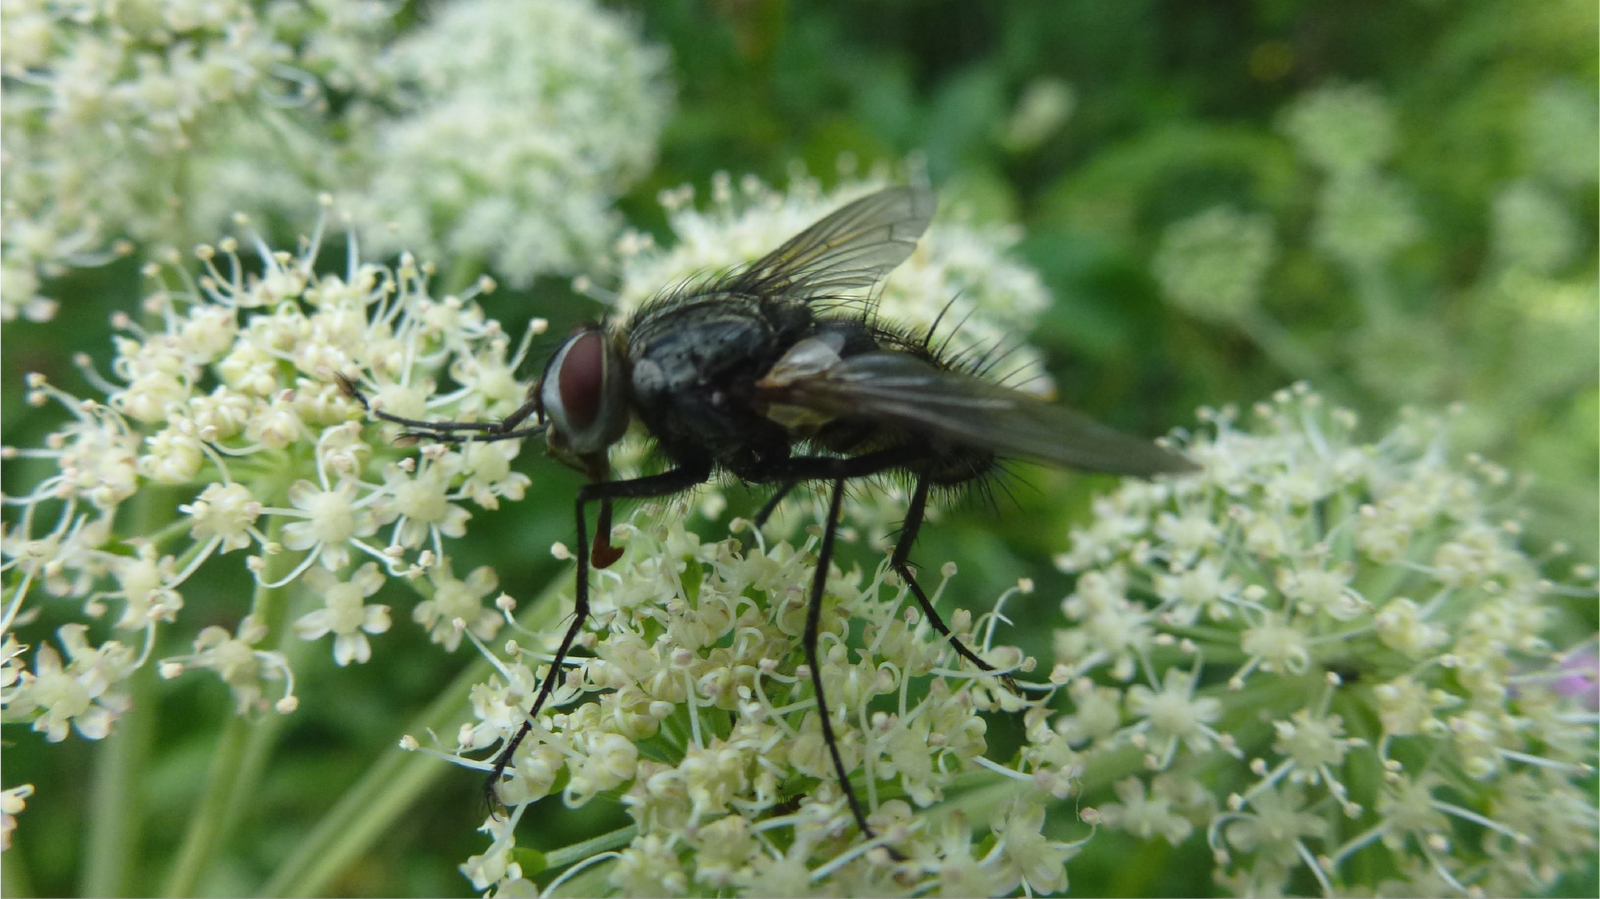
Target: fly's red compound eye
(580, 377)
(582, 394)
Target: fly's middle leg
(819, 581)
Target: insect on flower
(770, 373)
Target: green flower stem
(273, 610)
(393, 782)
(204, 827)
(979, 803)
(367, 809)
(1102, 771)
(592, 881)
(577, 852)
(15, 880)
(115, 822)
(1372, 290)
(239, 746)
(260, 741)
(461, 274)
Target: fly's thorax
(693, 364)
(584, 397)
(696, 344)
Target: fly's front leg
(454, 431)
(604, 554)
(604, 492)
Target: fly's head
(583, 396)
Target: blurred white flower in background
(1561, 134)
(515, 126)
(1211, 265)
(1342, 129)
(492, 133)
(109, 107)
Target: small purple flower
(1581, 675)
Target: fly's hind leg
(771, 505)
(901, 563)
(788, 473)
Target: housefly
(770, 374)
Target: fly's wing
(897, 390)
(852, 248)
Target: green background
(1177, 109)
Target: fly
(769, 374)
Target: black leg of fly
(788, 473)
(454, 431)
(808, 643)
(603, 552)
(664, 484)
(772, 503)
(901, 563)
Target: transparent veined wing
(850, 249)
(895, 390)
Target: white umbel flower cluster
(695, 712)
(228, 396)
(1334, 659)
(492, 133)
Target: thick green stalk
(15, 882)
(274, 612)
(116, 822)
(230, 777)
(206, 825)
(1286, 351)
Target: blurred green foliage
(1447, 255)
